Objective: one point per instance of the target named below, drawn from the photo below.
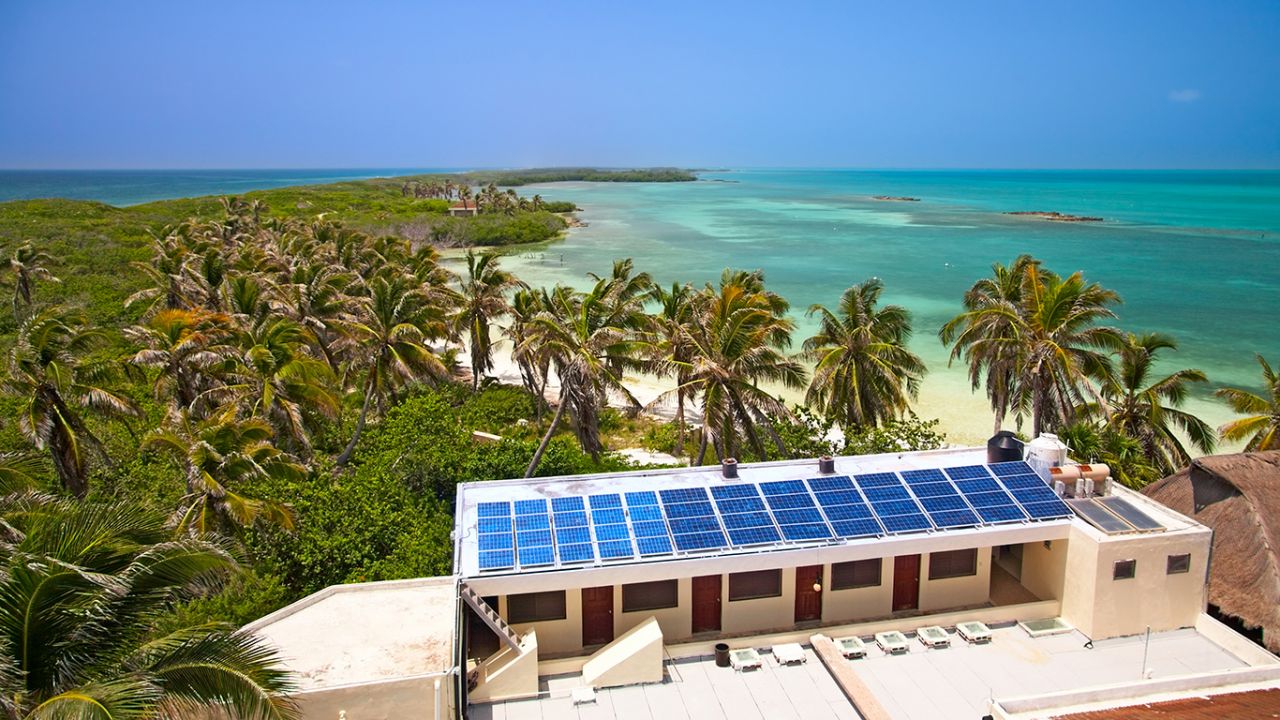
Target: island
(895, 198)
(1055, 216)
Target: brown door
(808, 600)
(706, 604)
(906, 582)
(597, 615)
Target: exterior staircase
(490, 617)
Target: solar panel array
(575, 530)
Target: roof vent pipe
(826, 465)
(729, 468)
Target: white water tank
(1047, 449)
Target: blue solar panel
(688, 526)
(683, 495)
(688, 509)
(605, 501)
(533, 538)
(612, 532)
(754, 536)
(645, 512)
(740, 505)
(566, 504)
(1016, 467)
(580, 552)
(1033, 494)
(746, 520)
(943, 502)
(797, 517)
(839, 482)
(785, 502)
(966, 472)
(493, 524)
(1023, 481)
(570, 519)
(782, 487)
(608, 517)
(649, 529)
(646, 497)
(1047, 510)
(497, 560)
(534, 556)
(847, 512)
(532, 522)
(838, 497)
(496, 541)
(573, 535)
(887, 492)
(924, 490)
(876, 480)
(614, 549)
(978, 485)
(905, 523)
(806, 531)
(989, 499)
(725, 492)
(856, 528)
(1000, 513)
(954, 518)
(914, 477)
(700, 541)
(530, 507)
(657, 545)
(493, 509)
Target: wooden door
(906, 582)
(597, 615)
(706, 604)
(808, 600)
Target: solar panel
(866, 527)
(699, 541)
(532, 522)
(782, 487)
(893, 505)
(499, 541)
(566, 504)
(985, 495)
(1016, 467)
(1035, 497)
(795, 511)
(615, 549)
(966, 472)
(647, 524)
(1130, 513)
(636, 499)
(727, 492)
(739, 521)
(657, 545)
(536, 555)
(759, 535)
(599, 502)
(493, 509)
(578, 552)
(692, 519)
(529, 507)
(497, 560)
(806, 531)
(649, 529)
(612, 532)
(1098, 516)
(568, 519)
(607, 517)
(491, 524)
(823, 484)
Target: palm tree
(575, 334)
(28, 265)
(189, 348)
(315, 295)
(484, 299)
(82, 587)
(166, 270)
(985, 334)
(673, 323)
(1038, 346)
(1124, 455)
(390, 339)
(534, 364)
(55, 380)
(865, 374)
(219, 455)
(738, 338)
(1146, 409)
(1262, 426)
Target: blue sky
(851, 84)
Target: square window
(536, 607)
(856, 574)
(953, 563)
(650, 596)
(1125, 570)
(1178, 564)
(752, 585)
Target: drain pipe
(438, 711)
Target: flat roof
(366, 632)
(501, 496)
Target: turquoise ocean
(1193, 254)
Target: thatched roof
(1239, 497)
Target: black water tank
(1004, 446)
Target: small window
(856, 574)
(752, 585)
(1179, 564)
(953, 563)
(535, 607)
(1125, 570)
(650, 596)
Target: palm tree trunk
(546, 439)
(679, 448)
(364, 414)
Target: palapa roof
(1239, 497)
(1251, 704)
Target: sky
(317, 84)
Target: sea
(1194, 254)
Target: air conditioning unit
(1086, 487)
(1059, 488)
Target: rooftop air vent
(826, 465)
(729, 468)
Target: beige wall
(555, 636)
(958, 591)
(409, 697)
(675, 623)
(858, 603)
(1044, 569)
(761, 614)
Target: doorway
(706, 604)
(597, 615)
(808, 599)
(906, 582)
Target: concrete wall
(555, 636)
(406, 697)
(508, 674)
(957, 591)
(858, 603)
(772, 613)
(676, 622)
(632, 659)
(1044, 569)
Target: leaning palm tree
(190, 349)
(81, 589)
(1262, 426)
(985, 334)
(736, 344)
(575, 334)
(1145, 408)
(534, 364)
(219, 456)
(28, 265)
(864, 374)
(673, 323)
(56, 382)
(390, 341)
(484, 299)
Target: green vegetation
(531, 176)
